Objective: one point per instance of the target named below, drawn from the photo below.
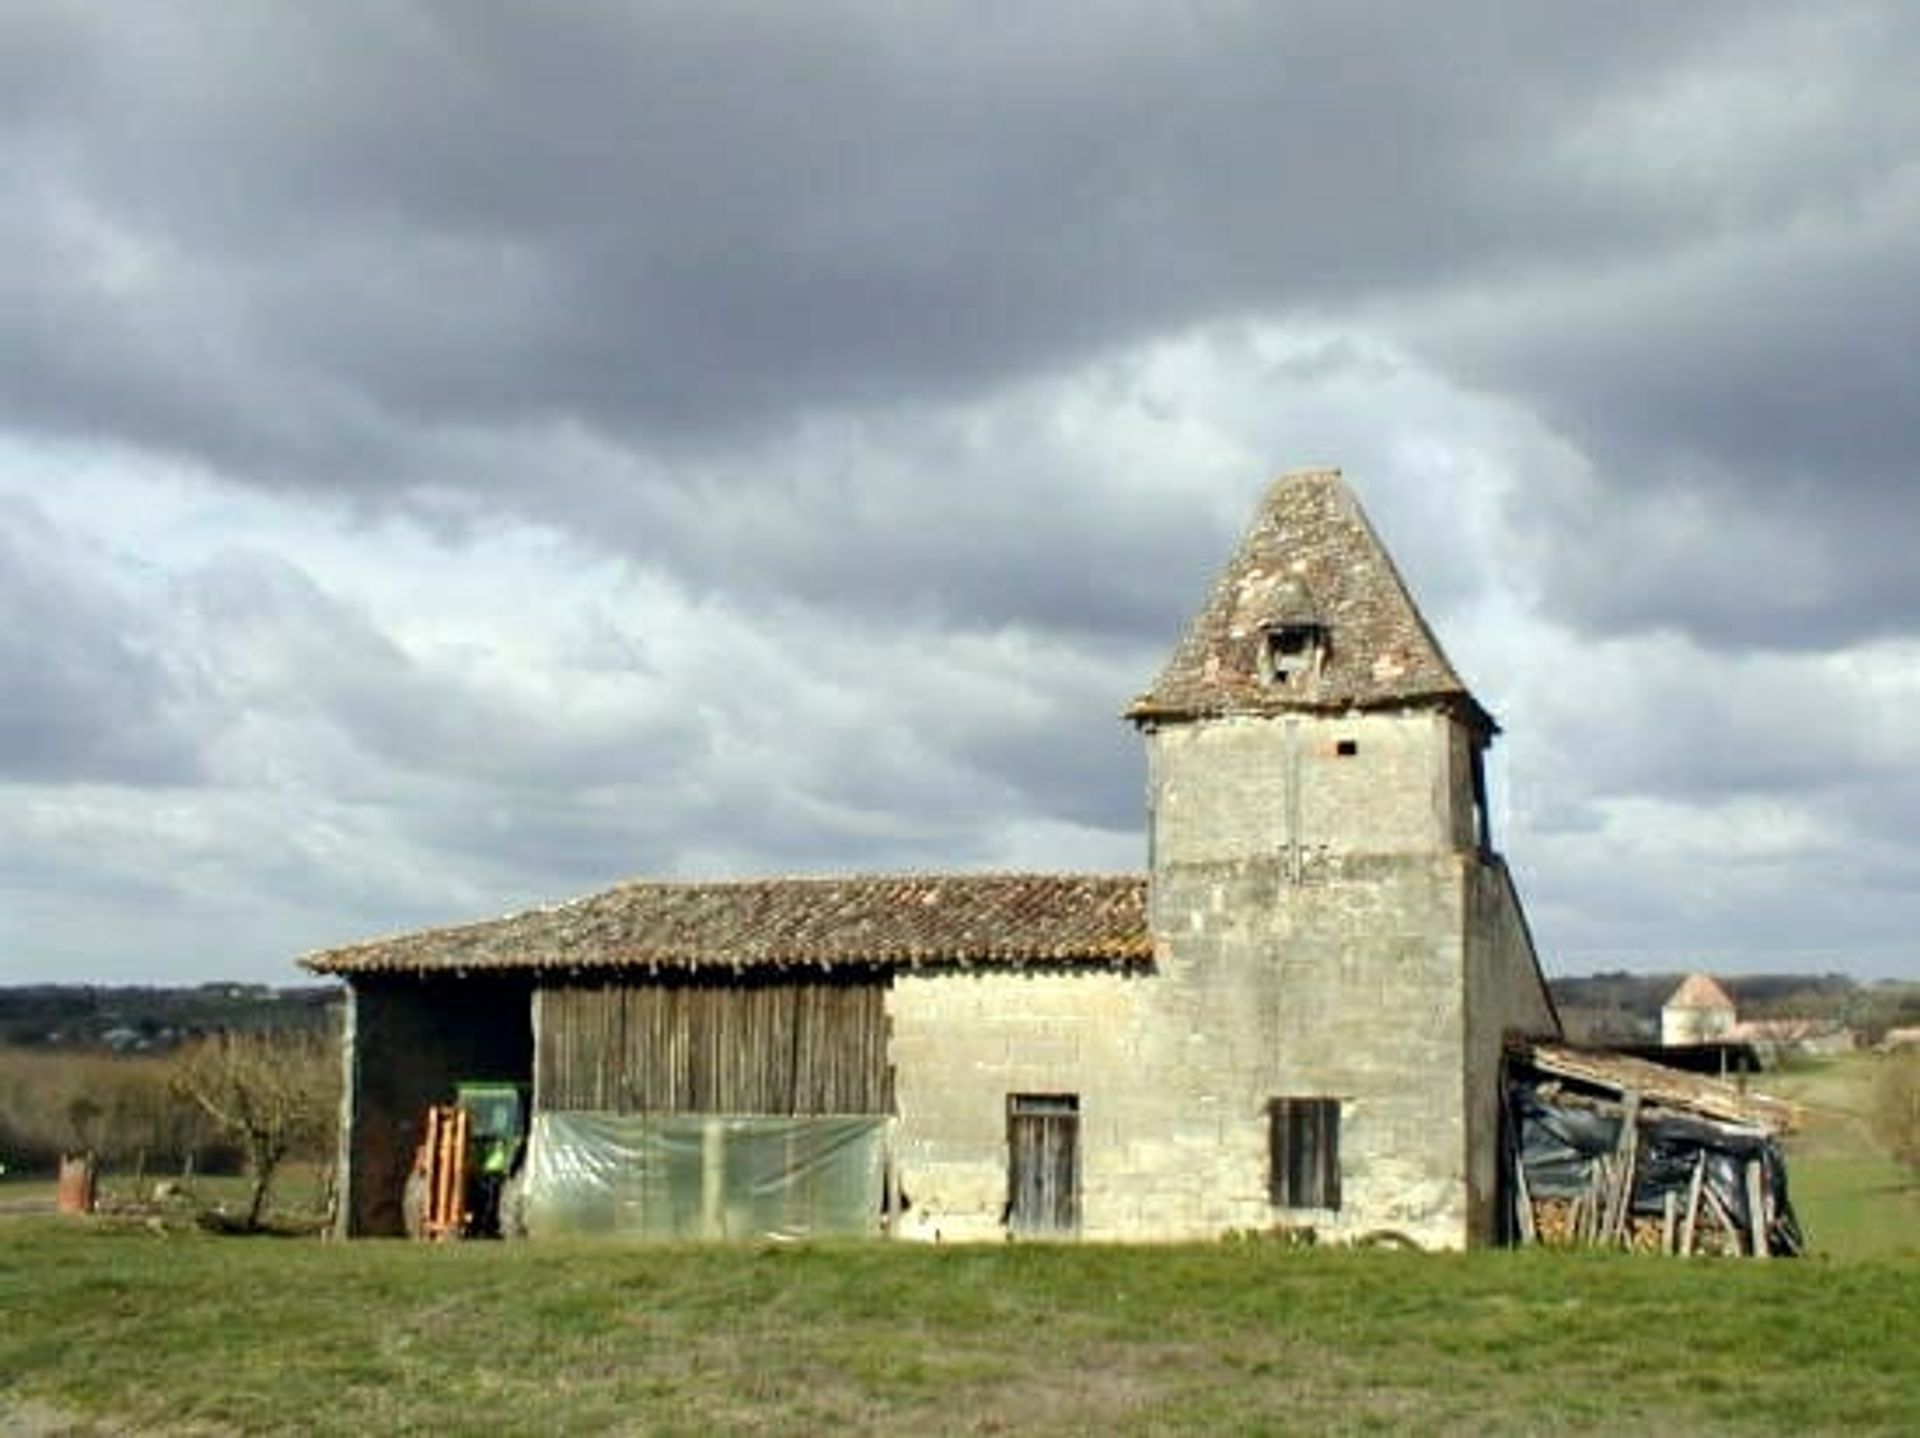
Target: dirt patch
(30, 1418)
(25, 1418)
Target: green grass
(296, 1200)
(130, 1329)
(1853, 1200)
(114, 1327)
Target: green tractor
(469, 1153)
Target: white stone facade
(1324, 928)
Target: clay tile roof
(901, 921)
(1311, 558)
(1697, 991)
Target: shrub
(119, 1109)
(1896, 1107)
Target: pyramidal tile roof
(1310, 562)
(1698, 991)
(873, 921)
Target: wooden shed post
(713, 1171)
(1757, 1209)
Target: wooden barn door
(1043, 1164)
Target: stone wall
(1340, 983)
(1361, 783)
(1344, 984)
(1506, 994)
(962, 1042)
(1309, 888)
(1683, 1024)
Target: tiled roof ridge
(890, 876)
(882, 920)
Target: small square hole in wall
(1346, 748)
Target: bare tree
(273, 1094)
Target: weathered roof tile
(1699, 991)
(885, 921)
(1310, 559)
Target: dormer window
(1291, 653)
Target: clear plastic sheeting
(704, 1176)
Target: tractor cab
(496, 1123)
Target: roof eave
(1146, 710)
(1117, 956)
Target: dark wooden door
(1043, 1164)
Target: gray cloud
(914, 374)
(274, 642)
(660, 223)
(89, 696)
(376, 256)
(1749, 423)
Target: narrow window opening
(1292, 652)
(1347, 748)
(1482, 820)
(1303, 1138)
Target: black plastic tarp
(1559, 1142)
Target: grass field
(129, 1330)
(297, 1197)
(1854, 1201)
(116, 1326)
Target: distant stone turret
(1699, 1012)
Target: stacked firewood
(1570, 1223)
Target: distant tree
(83, 1122)
(1896, 1107)
(274, 1095)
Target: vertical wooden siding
(747, 1045)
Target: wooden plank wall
(746, 1045)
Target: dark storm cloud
(89, 696)
(1750, 425)
(930, 524)
(375, 250)
(667, 222)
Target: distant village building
(1699, 1012)
(1295, 1018)
(1770, 1039)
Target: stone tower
(1337, 939)
(1698, 1012)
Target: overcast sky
(456, 456)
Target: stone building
(1698, 1012)
(1295, 1018)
